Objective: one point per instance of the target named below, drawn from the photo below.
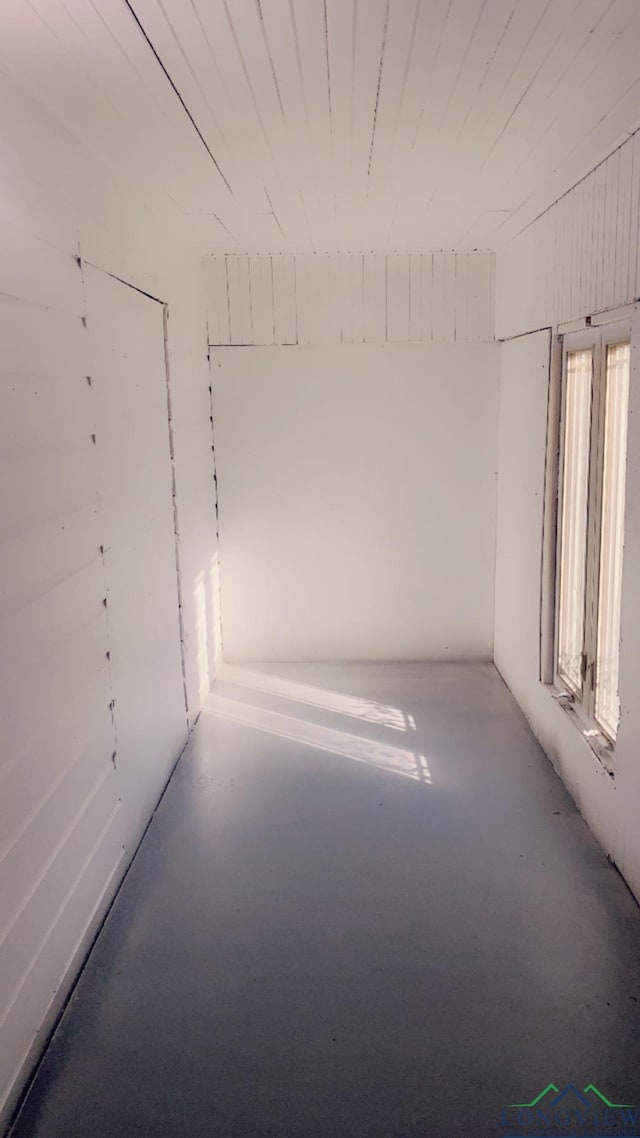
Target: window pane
(575, 479)
(612, 535)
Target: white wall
(69, 820)
(356, 466)
(136, 519)
(357, 500)
(569, 281)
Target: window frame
(583, 703)
(575, 342)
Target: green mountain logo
(551, 1096)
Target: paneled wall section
(580, 256)
(61, 831)
(71, 814)
(350, 298)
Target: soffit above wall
(373, 298)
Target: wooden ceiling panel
(337, 125)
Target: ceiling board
(316, 126)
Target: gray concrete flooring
(366, 908)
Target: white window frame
(598, 338)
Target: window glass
(573, 528)
(607, 706)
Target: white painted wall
(136, 519)
(590, 264)
(69, 821)
(357, 500)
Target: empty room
(320, 568)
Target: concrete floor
(365, 907)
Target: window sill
(590, 732)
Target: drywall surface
(69, 820)
(357, 500)
(580, 256)
(610, 806)
(136, 517)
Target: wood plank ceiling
(338, 125)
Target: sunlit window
(591, 522)
(573, 532)
(607, 705)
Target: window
(590, 534)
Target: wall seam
(176, 525)
(101, 548)
(215, 493)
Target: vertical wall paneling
(350, 298)
(260, 286)
(245, 297)
(302, 299)
(291, 308)
(416, 334)
(580, 256)
(345, 273)
(612, 173)
(394, 301)
(334, 285)
(305, 300)
(449, 313)
(461, 298)
(375, 303)
(623, 225)
(59, 811)
(634, 217)
(326, 314)
(438, 297)
(400, 309)
(216, 277)
(426, 282)
(65, 836)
